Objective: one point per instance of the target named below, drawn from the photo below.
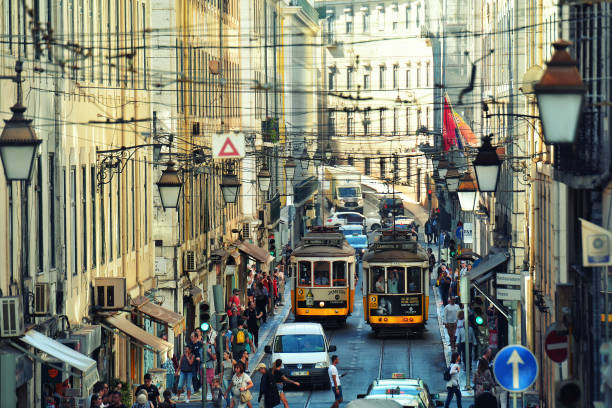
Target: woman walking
(186, 370)
(483, 380)
(240, 385)
(252, 317)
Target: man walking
(449, 316)
(239, 340)
(334, 379)
(445, 282)
(428, 231)
(452, 385)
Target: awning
(218, 255)
(493, 301)
(255, 252)
(23, 365)
(196, 295)
(304, 190)
(65, 354)
(485, 268)
(138, 334)
(468, 255)
(161, 315)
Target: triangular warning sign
(228, 149)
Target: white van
(304, 350)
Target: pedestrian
(115, 400)
(432, 260)
(234, 309)
(227, 340)
(227, 371)
(197, 347)
(239, 339)
(452, 385)
(252, 317)
(216, 393)
(142, 401)
(280, 378)
(95, 401)
(167, 403)
(98, 389)
(454, 283)
(445, 282)
(240, 385)
(483, 380)
(244, 359)
(267, 388)
(211, 359)
(334, 380)
(435, 229)
(428, 231)
(460, 335)
(261, 300)
(151, 389)
(186, 370)
(449, 318)
(168, 365)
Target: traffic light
(452, 248)
(478, 309)
(568, 394)
(205, 317)
(429, 192)
(272, 245)
(221, 322)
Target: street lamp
(229, 188)
(264, 178)
(442, 168)
(290, 169)
(169, 186)
(560, 94)
(452, 178)
(305, 160)
(468, 193)
(486, 166)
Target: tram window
(305, 273)
(321, 272)
(395, 280)
(414, 279)
(339, 274)
(378, 279)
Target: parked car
(356, 237)
(411, 393)
(304, 349)
(354, 218)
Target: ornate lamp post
(169, 186)
(264, 178)
(452, 178)
(442, 168)
(486, 166)
(290, 169)
(468, 193)
(230, 185)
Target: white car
(304, 350)
(410, 393)
(343, 218)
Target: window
(331, 122)
(395, 77)
(51, 184)
(366, 81)
(133, 199)
(418, 77)
(413, 279)
(408, 168)
(299, 343)
(395, 167)
(381, 17)
(418, 16)
(366, 122)
(321, 273)
(330, 80)
(349, 26)
(73, 220)
(351, 161)
(378, 279)
(381, 77)
(350, 125)
(395, 16)
(408, 16)
(109, 40)
(143, 52)
(102, 227)
(407, 121)
(350, 74)
(92, 30)
(339, 274)
(64, 221)
(381, 164)
(111, 232)
(39, 216)
(84, 224)
(427, 76)
(367, 166)
(396, 121)
(331, 27)
(119, 249)
(381, 121)
(305, 273)
(146, 203)
(365, 19)
(395, 280)
(408, 79)
(427, 117)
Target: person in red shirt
(234, 310)
(275, 286)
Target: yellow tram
(323, 276)
(395, 284)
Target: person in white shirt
(452, 385)
(334, 380)
(449, 316)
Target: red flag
(448, 127)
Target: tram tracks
(330, 335)
(407, 351)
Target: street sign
(508, 294)
(509, 279)
(596, 245)
(556, 344)
(515, 368)
(468, 233)
(228, 146)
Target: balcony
(308, 9)
(269, 130)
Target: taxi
(409, 392)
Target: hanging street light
(305, 160)
(229, 188)
(468, 193)
(264, 178)
(290, 169)
(486, 166)
(169, 186)
(560, 94)
(442, 168)
(452, 178)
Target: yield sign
(228, 146)
(556, 344)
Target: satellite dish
(530, 78)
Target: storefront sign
(509, 279)
(596, 245)
(468, 233)
(508, 294)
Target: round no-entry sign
(556, 344)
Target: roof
(300, 328)
(323, 244)
(139, 334)
(397, 247)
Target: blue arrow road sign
(515, 368)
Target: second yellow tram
(396, 284)
(323, 276)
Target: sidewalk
(266, 334)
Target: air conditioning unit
(189, 261)
(246, 230)
(41, 299)
(110, 293)
(11, 317)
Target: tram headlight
(322, 364)
(321, 304)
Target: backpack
(240, 337)
(447, 374)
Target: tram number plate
(299, 373)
